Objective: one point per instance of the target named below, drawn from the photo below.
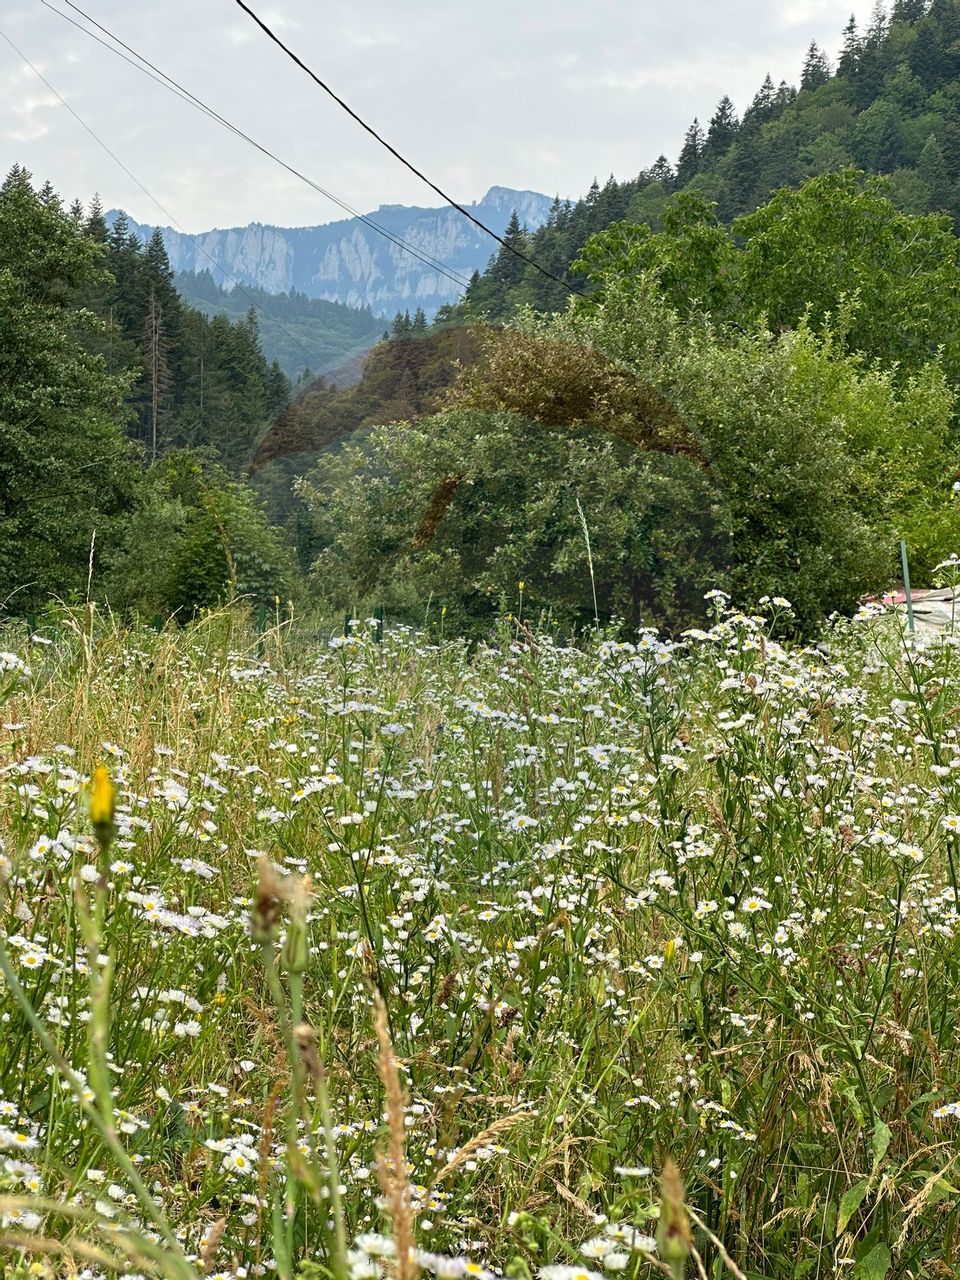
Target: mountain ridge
(349, 261)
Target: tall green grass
(619, 904)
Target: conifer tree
(65, 468)
(852, 48)
(908, 10)
(926, 57)
(722, 130)
(96, 223)
(508, 268)
(662, 172)
(691, 154)
(157, 367)
(816, 68)
(935, 175)
(764, 102)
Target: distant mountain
(349, 261)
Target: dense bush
(196, 539)
(463, 506)
(772, 465)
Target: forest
(306, 336)
(757, 349)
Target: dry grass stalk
(208, 1253)
(916, 1206)
(305, 1038)
(580, 1205)
(728, 1262)
(392, 1164)
(674, 1241)
(474, 1145)
(698, 1263)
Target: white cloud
(544, 95)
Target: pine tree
(722, 130)
(908, 10)
(852, 48)
(691, 155)
(96, 224)
(816, 68)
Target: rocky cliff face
(349, 261)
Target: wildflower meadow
(373, 954)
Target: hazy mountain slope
(350, 262)
(296, 331)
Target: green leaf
(881, 1141)
(942, 1190)
(850, 1093)
(875, 1265)
(850, 1203)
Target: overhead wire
(173, 86)
(150, 196)
(518, 253)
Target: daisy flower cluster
(624, 898)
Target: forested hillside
(891, 106)
(753, 386)
(298, 332)
(127, 421)
(200, 381)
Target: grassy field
(409, 956)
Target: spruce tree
(156, 366)
(908, 10)
(691, 154)
(934, 173)
(722, 130)
(65, 468)
(816, 68)
(926, 58)
(96, 223)
(507, 270)
(852, 48)
(662, 172)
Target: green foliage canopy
(66, 469)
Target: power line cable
(150, 196)
(173, 86)
(403, 160)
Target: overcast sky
(542, 95)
